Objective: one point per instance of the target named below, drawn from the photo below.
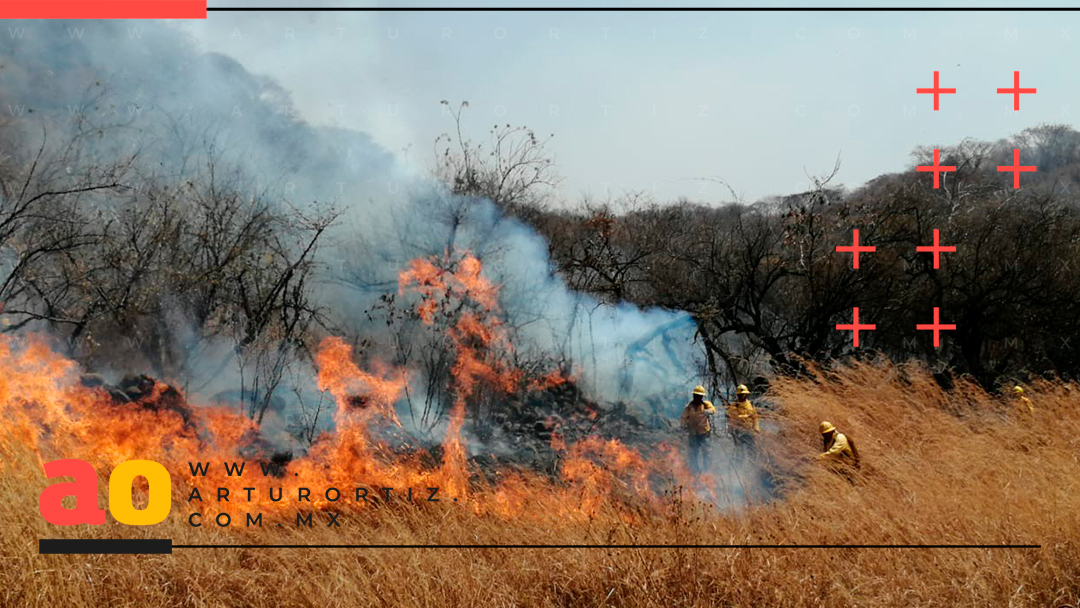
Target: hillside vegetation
(941, 467)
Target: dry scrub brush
(941, 467)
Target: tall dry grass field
(941, 467)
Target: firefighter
(742, 418)
(1022, 402)
(837, 447)
(696, 420)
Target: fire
(477, 337)
(345, 380)
(49, 408)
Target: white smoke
(158, 95)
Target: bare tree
(514, 169)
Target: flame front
(48, 408)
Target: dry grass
(942, 467)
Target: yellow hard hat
(827, 427)
(1018, 390)
(742, 390)
(699, 390)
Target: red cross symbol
(936, 91)
(936, 249)
(936, 168)
(855, 327)
(855, 249)
(1016, 90)
(936, 327)
(1016, 168)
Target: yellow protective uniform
(840, 449)
(1025, 404)
(695, 417)
(742, 415)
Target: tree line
(765, 285)
(124, 263)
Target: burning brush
(62, 413)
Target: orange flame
(49, 409)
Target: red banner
(103, 9)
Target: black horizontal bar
(115, 546)
(662, 546)
(639, 9)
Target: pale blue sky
(656, 101)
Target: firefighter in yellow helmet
(696, 420)
(838, 448)
(1022, 402)
(742, 418)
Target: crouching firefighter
(1023, 404)
(696, 420)
(838, 448)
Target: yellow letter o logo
(159, 482)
